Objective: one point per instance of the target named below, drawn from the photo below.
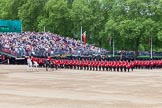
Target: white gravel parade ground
(79, 89)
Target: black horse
(47, 64)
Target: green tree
(56, 18)
(29, 13)
(136, 21)
(129, 22)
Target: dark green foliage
(129, 22)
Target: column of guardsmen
(101, 65)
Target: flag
(84, 37)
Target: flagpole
(151, 47)
(44, 29)
(113, 48)
(81, 34)
(21, 26)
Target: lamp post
(151, 47)
(113, 48)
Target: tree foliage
(129, 22)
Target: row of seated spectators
(44, 44)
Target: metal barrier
(5, 61)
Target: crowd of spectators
(43, 44)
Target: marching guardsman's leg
(99, 68)
(90, 67)
(71, 66)
(52, 66)
(78, 67)
(121, 68)
(125, 69)
(118, 68)
(68, 66)
(114, 68)
(128, 69)
(103, 68)
(151, 67)
(61, 66)
(75, 66)
(110, 68)
(106, 68)
(136, 66)
(85, 67)
(132, 68)
(65, 66)
(56, 66)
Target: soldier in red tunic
(121, 66)
(90, 65)
(114, 65)
(125, 66)
(110, 65)
(99, 65)
(107, 65)
(84, 64)
(52, 65)
(117, 66)
(93, 64)
(132, 65)
(81, 64)
(103, 65)
(128, 66)
(56, 62)
(78, 64)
